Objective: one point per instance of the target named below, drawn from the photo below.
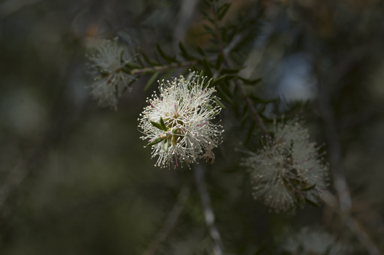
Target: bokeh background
(75, 178)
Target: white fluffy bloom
(106, 68)
(178, 124)
(314, 242)
(288, 171)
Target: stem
(208, 212)
(331, 134)
(331, 201)
(225, 52)
(164, 68)
(170, 221)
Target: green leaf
(207, 3)
(251, 82)
(166, 145)
(174, 131)
(151, 81)
(200, 50)
(148, 60)
(138, 59)
(201, 75)
(219, 103)
(309, 188)
(207, 68)
(194, 68)
(209, 29)
(225, 87)
(155, 141)
(311, 202)
(219, 61)
(184, 52)
(157, 57)
(165, 56)
(167, 74)
(157, 125)
(206, 15)
(231, 70)
(218, 81)
(164, 127)
(133, 65)
(223, 10)
(223, 95)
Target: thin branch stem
(170, 221)
(164, 68)
(208, 212)
(334, 148)
(335, 156)
(255, 114)
(225, 52)
(353, 225)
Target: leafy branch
(217, 14)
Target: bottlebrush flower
(178, 124)
(312, 241)
(107, 69)
(288, 171)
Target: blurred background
(74, 177)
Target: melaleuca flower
(107, 68)
(287, 171)
(177, 123)
(313, 242)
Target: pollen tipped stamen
(187, 110)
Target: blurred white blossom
(287, 171)
(312, 242)
(107, 69)
(178, 124)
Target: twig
(335, 158)
(11, 6)
(353, 225)
(163, 68)
(170, 221)
(208, 212)
(334, 148)
(225, 52)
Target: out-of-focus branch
(208, 212)
(11, 6)
(352, 224)
(164, 68)
(335, 152)
(170, 221)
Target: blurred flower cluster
(312, 241)
(106, 67)
(287, 171)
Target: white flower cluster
(106, 68)
(314, 242)
(178, 124)
(288, 171)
